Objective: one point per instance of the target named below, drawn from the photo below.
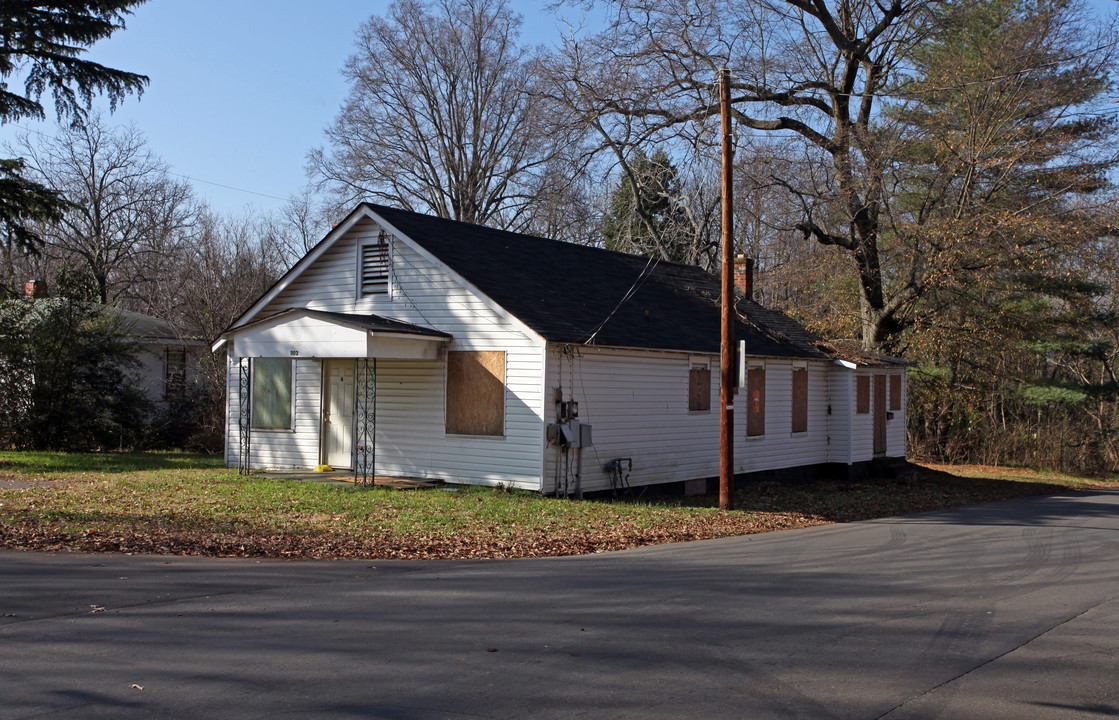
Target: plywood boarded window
(699, 388)
(272, 393)
(862, 394)
(895, 392)
(800, 399)
(373, 268)
(476, 392)
(755, 401)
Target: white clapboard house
(409, 345)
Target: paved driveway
(1007, 610)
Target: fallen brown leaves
(163, 540)
(761, 507)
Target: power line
(189, 178)
(227, 187)
(645, 274)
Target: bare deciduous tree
(442, 118)
(127, 214)
(228, 264)
(816, 87)
(807, 81)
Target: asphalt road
(1007, 610)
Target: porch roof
(299, 332)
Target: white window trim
(291, 400)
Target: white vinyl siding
(862, 423)
(895, 427)
(636, 400)
(297, 447)
(853, 432)
(637, 404)
(411, 435)
(841, 399)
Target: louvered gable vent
(373, 268)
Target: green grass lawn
(189, 504)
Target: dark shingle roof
(148, 327)
(573, 294)
(133, 325)
(853, 353)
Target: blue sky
(242, 89)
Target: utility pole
(726, 364)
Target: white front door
(338, 420)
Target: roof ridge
(520, 236)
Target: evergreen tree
(65, 376)
(1004, 170)
(648, 220)
(43, 42)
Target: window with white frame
(271, 400)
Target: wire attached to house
(644, 275)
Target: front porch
(329, 416)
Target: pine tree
(1005, 162)
(650, 220)
(65, 375)
(43, 42)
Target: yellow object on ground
(324, 468)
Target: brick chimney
(744, 275)
(35, 289)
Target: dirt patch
(11, 481)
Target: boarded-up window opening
(373, 268)
(800, 399)
(895, 392)
(699, 389)
(879, 414)
(175, 381)
(755, 401)
(862, 394)
(476, 393)
(272, 393)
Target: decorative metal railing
(244, 417)
(365, 421)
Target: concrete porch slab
(342, 477)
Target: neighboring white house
(409, 345)
(166, 356)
